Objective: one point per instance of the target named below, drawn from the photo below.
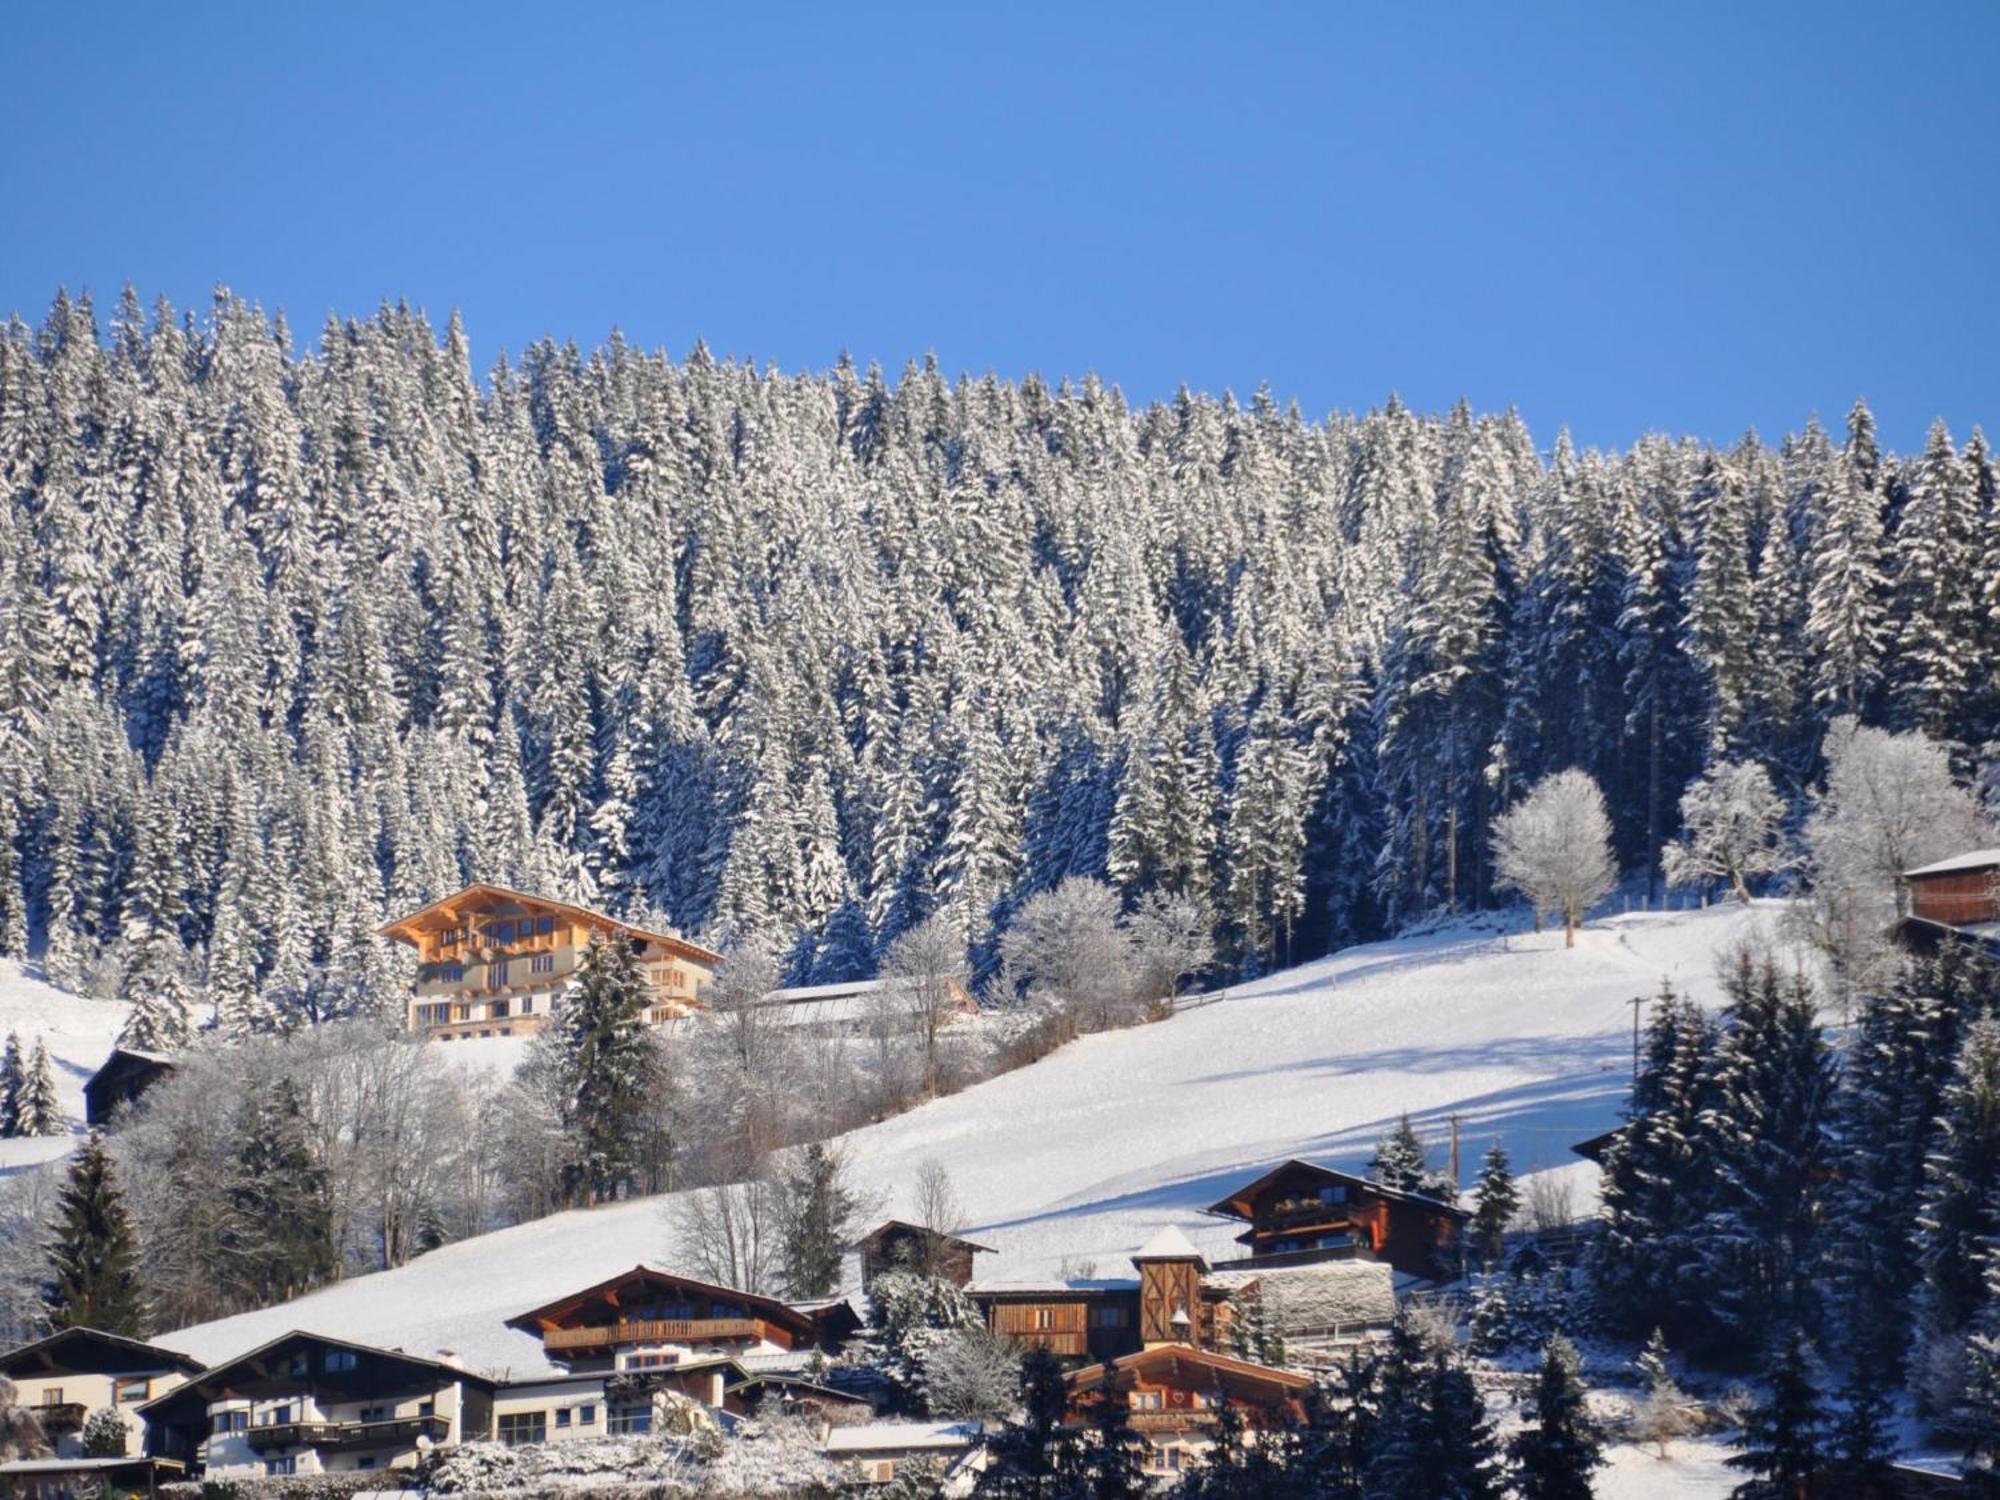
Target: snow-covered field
(79, 1034)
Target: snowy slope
(79, 1033)
(1089, 1152)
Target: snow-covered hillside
(79, 1033)
(1084, 1155)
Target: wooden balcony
(59, 1416)
(1186, 1419)
(391, 1432)
(660, 1331)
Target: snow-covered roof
(74, 1465)
(1169, 1244)
(1972, 859)
(881, 1437)
(1080, 1286)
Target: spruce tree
(1403, 1162)
(1433, 1438)
(1784, 1432)
(820, 1207)
(606, 1069)
(1496, 1200)
(1026, 1457)
(1556, 1454)
(1960, 1215)
(13, 1078)
(38, 1111)
(93, 1256)
(280, 1237)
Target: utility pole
(1638, 1003)
(1455, 1181)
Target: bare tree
(732, 1234)
(1067, 945)
(1172, 937)
(21, 1433)
(936, 1209)
(1554, 847)
(924, 973)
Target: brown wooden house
(1299, 1213)
(1169, 1302)
(646, 1318)
(1963, 891)
(127, 1073)
(1175, 1395)
(494, 962)
(897, 1245)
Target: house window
(521, 1427)
(374, 1413)
(586, 1416)
(464, 1012)
(562, 1416)
(527, 1005)
(296, 1364)
(451, 973)
(500, 1010)
(545, 925)
(427, 1408)
(497, 972)
(225, 1422)
(366, 1461)
(338, 1360)
(630, 1421)
(1045, 1319)
(277, 1416)
(1335, 1193)
(504, 933)
(52, 1396)
(1145, 1400)
(1111, 1317)
(130, 1390)
(542, 963)
(281, 1466)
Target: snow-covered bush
(105, 1434)
(968, 1373)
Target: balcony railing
(59, 1416)
(656, 1331)
(1181, 1420)
(390, 1431)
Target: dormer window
(1334, 1193)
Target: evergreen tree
(1433, 1440)
(1026, 1458)
(37, 1110)
(606, 1065)
(1554, 1457)
(104, 1434)
(1783, 1433)
(280, 1237)
(13, 1079)
(1960, 1215)
(1402, 1161)
(93, 1255)
(820, 1208)
(1496, 1200)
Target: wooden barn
(1963, 891)
(897, 1245)
(1299, 1213)
(495, 962)
(126, 1074)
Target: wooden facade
(897, 1245)
(1175, 1395)
(1299, 1213)
(1959, 892)
(127, 1073)
(494, 962)
(1100, 1320)
(645, 1318)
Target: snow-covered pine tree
(13, 1078)
(1496, 1199)
(279, 1243)
(37, 1110)
(1784, 1433)
(1938, 588)
(606, 1064)
(93, 1253)
(1402, 1161)
(1960, 1214)
(1554, 1457)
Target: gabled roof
(908, 1228)
(1959, 864)
(47, 1354)
(1236, 1205)
(220, 1376)
(895, 1437)
(1195, 1367)
(1169, 1244)
(404, 928)
(770, 1308)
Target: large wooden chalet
(1299, 1213)
(495, 962)
(646, 1318)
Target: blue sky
(1693, 218)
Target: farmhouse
(899, 1246)
(126, 1074)
(65, 1377)
(1299, 1213)
(308, 1404)
(495, 962)
(1168, 1302)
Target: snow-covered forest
(294, 635)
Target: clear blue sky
(1686, 217)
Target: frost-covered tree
(1554, 847)
(1402, 1161)
(13, 1078)
(37, 1110)
(1784, 1432)
(1733, 821)
(1496, 1199)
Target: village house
(900, 1246)
(65, 1377)
(1958, 896)
(495, 962)
(877, 1452)
(1092, 1318)
(308, 1404)
(1299, 1213)
(126, 1074)
(1175, 1395)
